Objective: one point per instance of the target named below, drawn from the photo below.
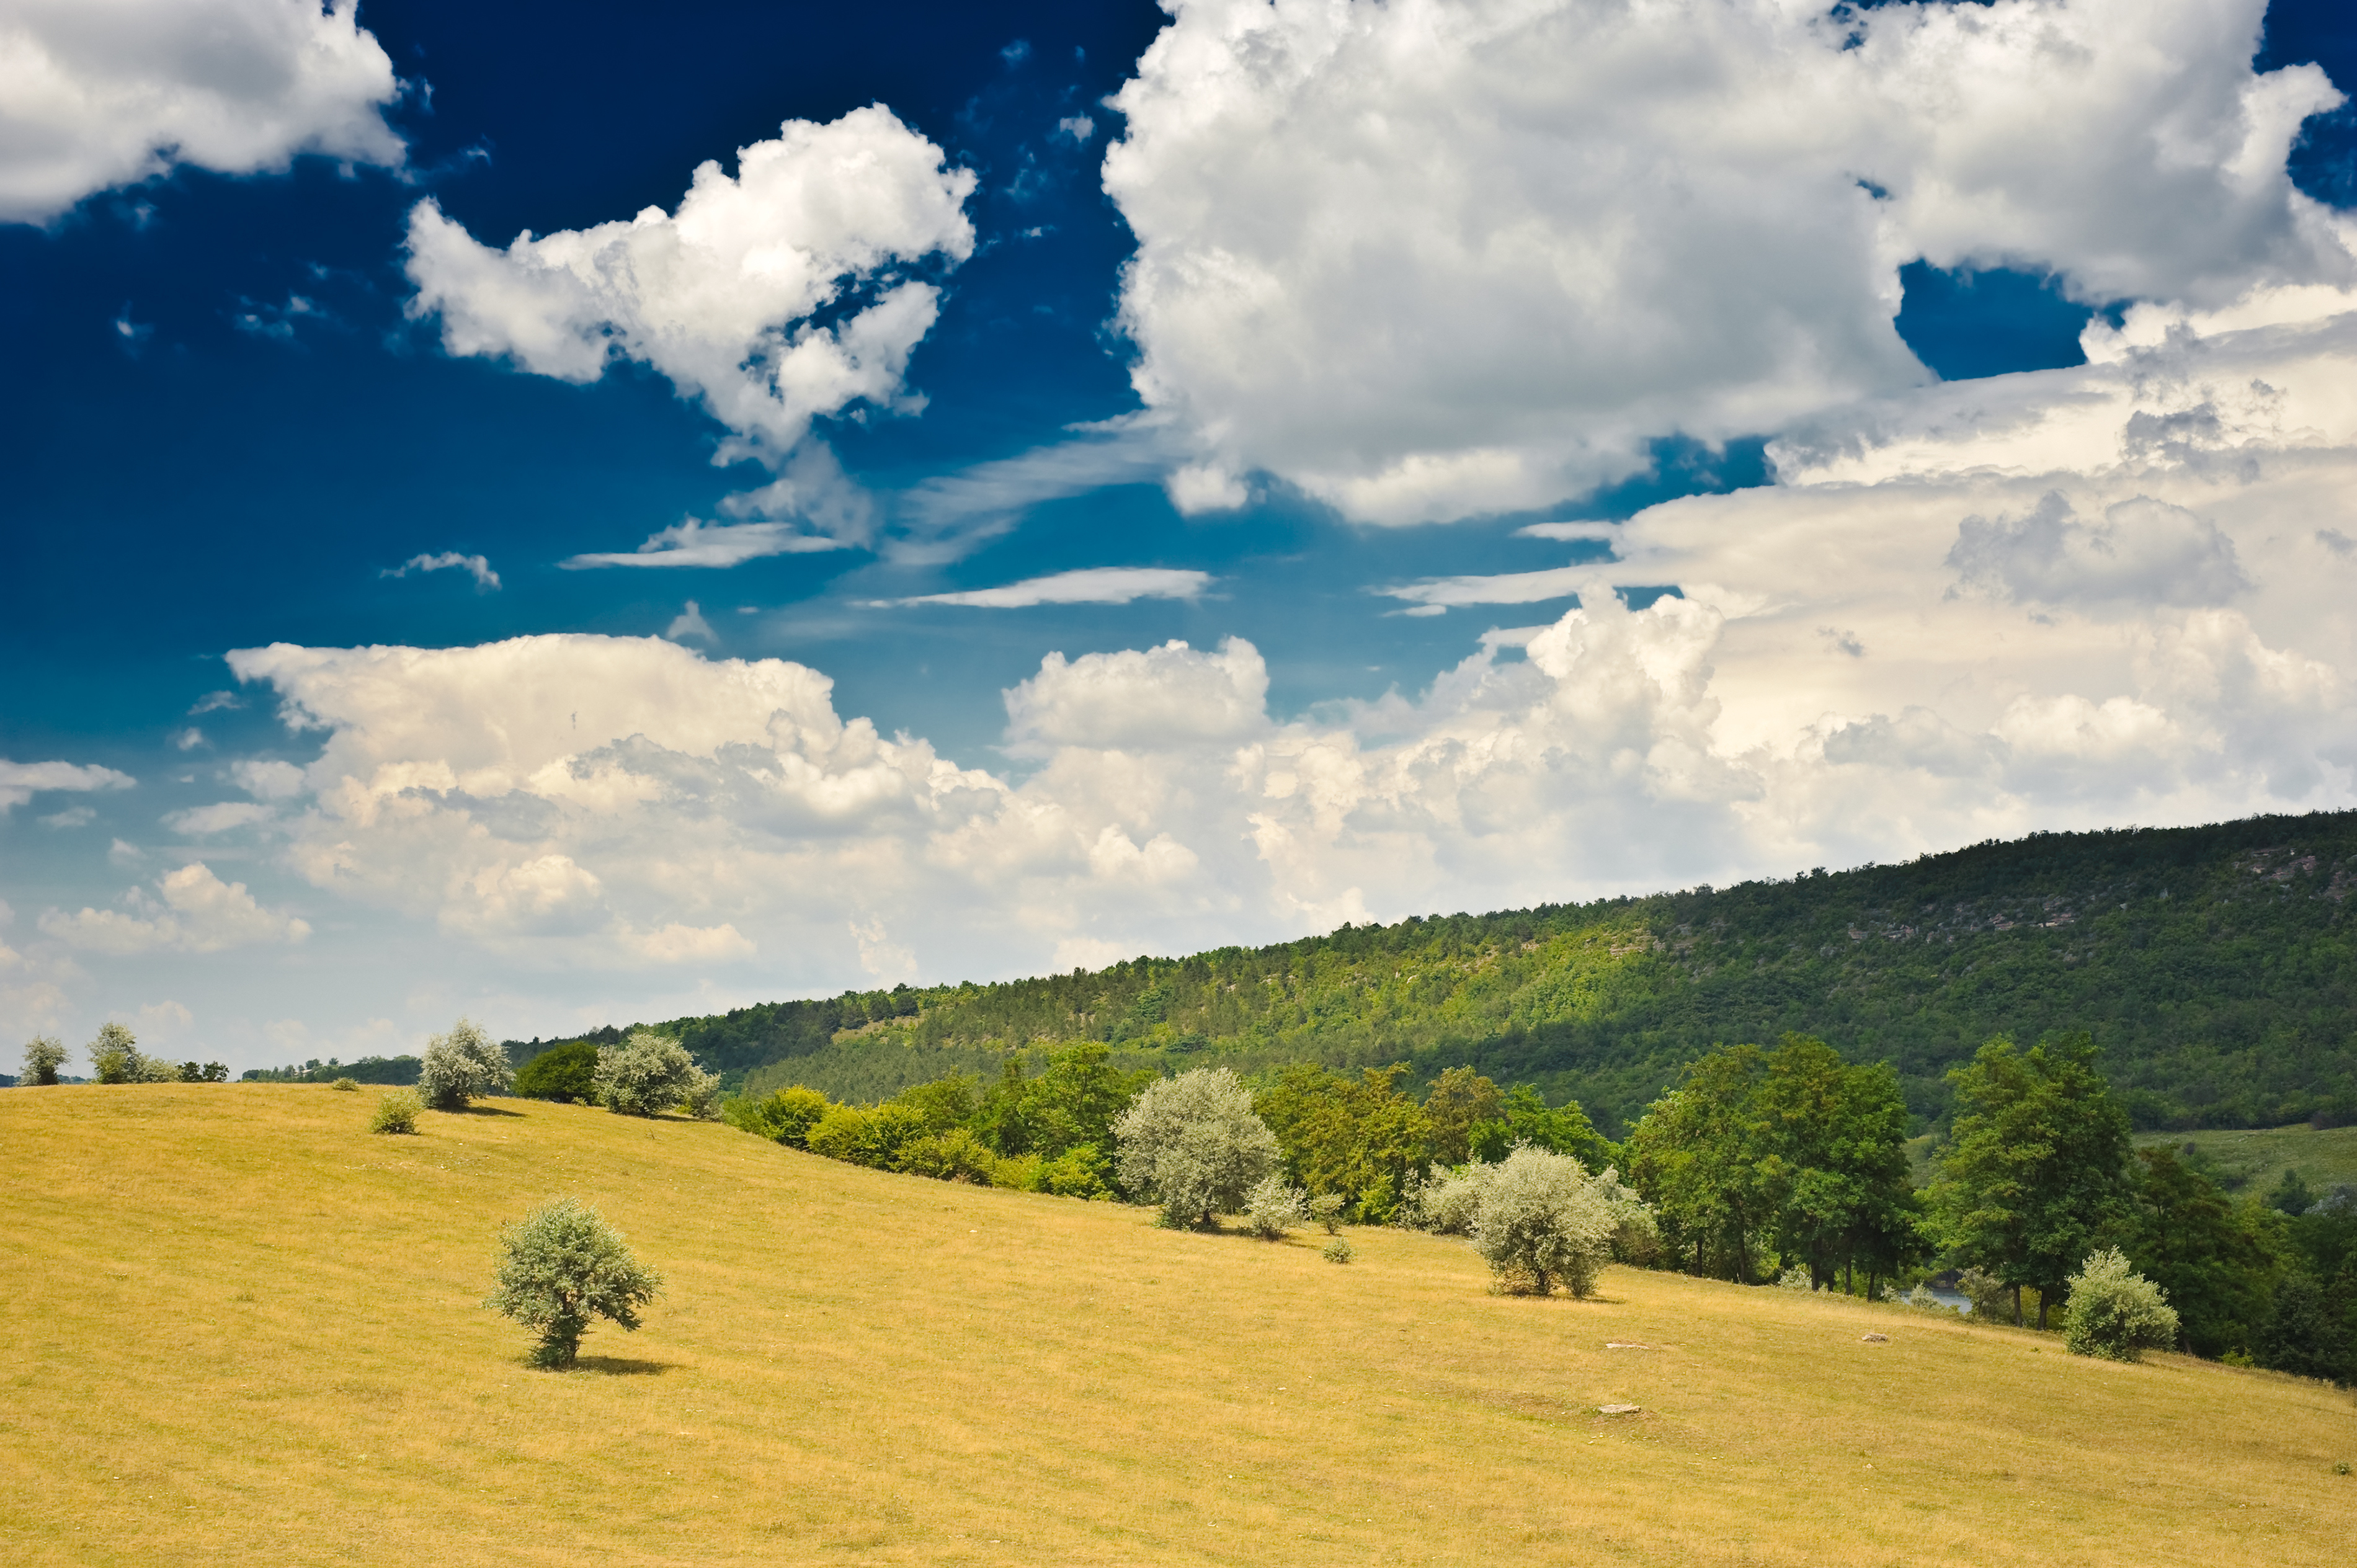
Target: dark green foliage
(2325, 1238)
(1791, 1148)
(786, 1116)
(2217, 965)
(2291, 1195)
(1460, 1104)
(2310, 1331)
(1357, 1137)
(2034, 1171)
(2216, 1262)
(564, 1073)
(1070, 1105)
(394, 1071)
(1524, 1117)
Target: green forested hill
(2215, 966)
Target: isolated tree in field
(1273, 1209)
(2032, 1172)
(116, 1057)
(649, 1073)
(565, 1073)
(43, 1055)
(460, 1066)
(1540, 1221)
(1194, 1145)
(2116, 1313)
(561, 1268)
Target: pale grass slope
(239, 1329)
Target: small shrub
(1797, 1278)
(1272, 1208)
(1193, 1144)
(1078, 1172)
(43, 1055)
(460, 1066)
(2115, 1312)
(1540, 1217)
(396, 1112)
(785, 1117)
(1338, 1251)
(1636, 1236)
(345, 1086)
(1991, 1297)
(845, 1132)
(954, 1156)
(1326, 1212)
(561, 1267)
(1452, 1199)
(649, 1074)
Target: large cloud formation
(1430, 260)
(721, 295)
(100, 93)
(2069, 598)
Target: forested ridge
(2214, 967)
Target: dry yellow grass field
(240, 1330)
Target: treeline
(114, 1058)
(398, 1071)
(1786, 1165)
(2217, 967)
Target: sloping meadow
(244, 1330)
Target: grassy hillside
(2254, 1161)
(243, 1330)
(2217, 966)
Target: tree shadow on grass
(479, 1109)
(623, 1366)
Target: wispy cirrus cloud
(694, 542)
(477, 566)
(1089, 586)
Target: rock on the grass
(1874, 1338)
(1619, 1408)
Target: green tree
(116, 1057)
(786, 1116)
(2033, 1171)
(1698, 1157)
(1359, 1137)
(565, 1073)
(1524, 1117)
(2215, 1260)
(1833, 1145)
(562, 1267)
(43, 1055)
(1459, 1101)
(2308, 1332)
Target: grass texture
(241, 1329)
(2254, 1161)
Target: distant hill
(2217, 967)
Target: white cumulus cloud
(20, 781)
(191, 910)
(1427, 260)
(721, 295)
(475, 566)
(101, 94)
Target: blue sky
(1580, 452)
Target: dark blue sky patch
(1965, 324)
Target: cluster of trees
(2217, 964)
(1766, 1160)
(114, 1058)
(394, 1071)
